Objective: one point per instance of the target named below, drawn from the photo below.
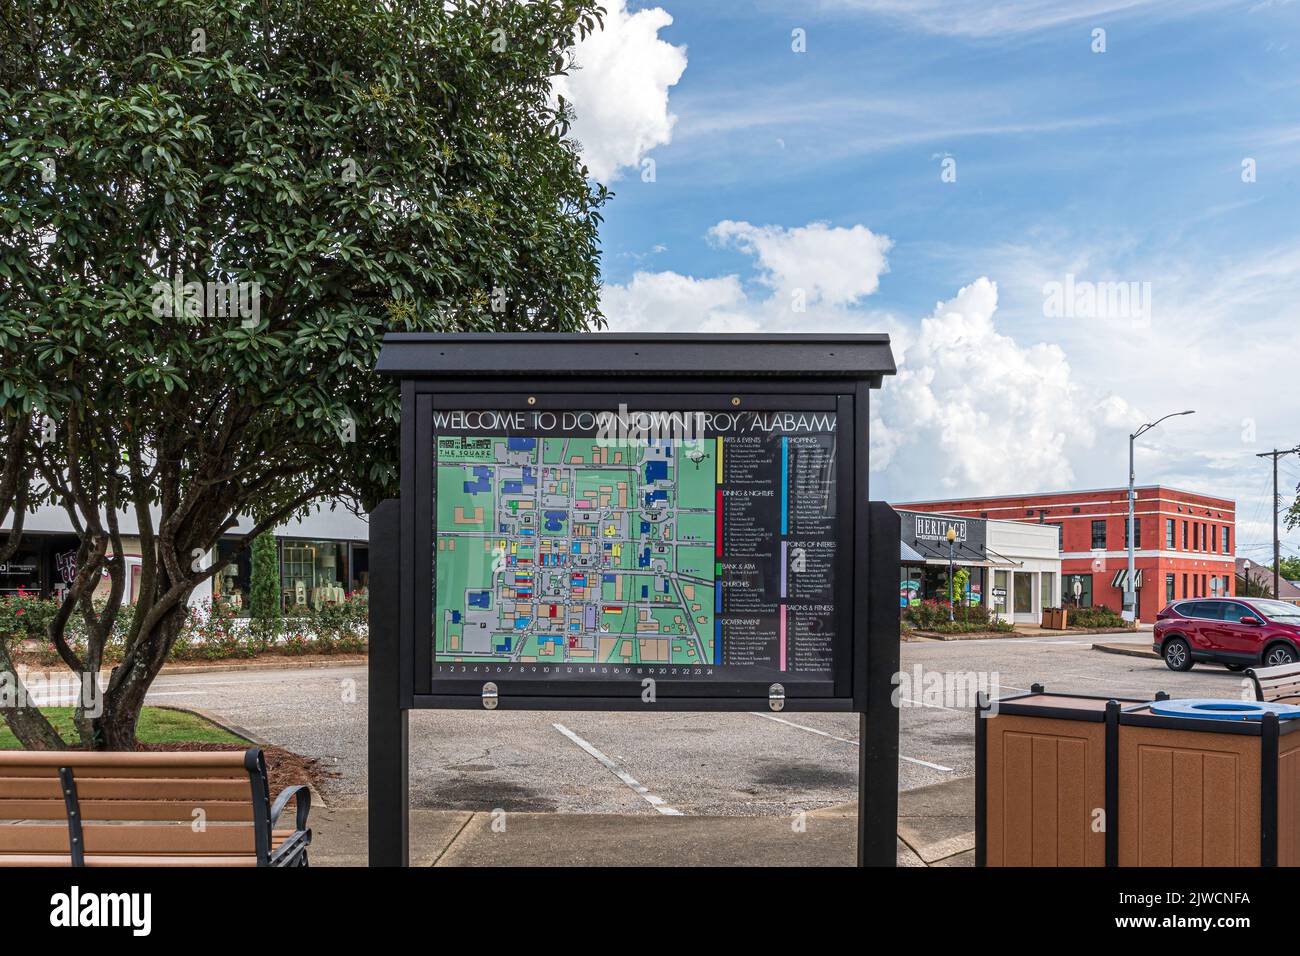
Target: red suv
(1235, 632)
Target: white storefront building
(322, 557)
(1011, 567)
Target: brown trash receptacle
(1040, 781)
(1067, 780)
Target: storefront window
(22, 572)
(359, 579)
(232, 581)
(1049, 589)
(909, 587)
(312, 573)
(1078, 590)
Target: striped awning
(1121, 579)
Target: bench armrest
(302, 805)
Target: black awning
(938, 551)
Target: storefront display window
(909, 587)
(1078, 590)
(232, 581)
(312, 573)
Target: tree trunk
(28, 724)
(114, 728)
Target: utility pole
(1275, 454)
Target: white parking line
(619, 772)
(921, 703)
(845, 740)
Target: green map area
(575, 551)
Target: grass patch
(158, 725)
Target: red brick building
(1183, 546)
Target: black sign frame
(651, 372)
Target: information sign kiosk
(634, 522)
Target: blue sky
(1115, 166)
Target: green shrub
(933, 616)
(1097, 616)
(264, 579)
(214, 631)
(24, 616)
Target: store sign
(936, 529)
(929, 534)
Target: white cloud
(975, 412)
(670, 302)
(972, 411)
(620, 90)
(835, 266)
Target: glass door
(1023, 597)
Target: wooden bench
(208, 808)
(1279, 683)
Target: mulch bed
(284, 768)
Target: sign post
(634, 522)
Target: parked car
(1235, 632)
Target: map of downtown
(565, 550)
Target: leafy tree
(212, 211)
(264, 580)
(1251, 585)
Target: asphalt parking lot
(721, 764)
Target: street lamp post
(952, 538)
(1130, 592)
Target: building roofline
(1070, 491)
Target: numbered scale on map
(588, 545)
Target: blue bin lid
(1207, 708)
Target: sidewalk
(936, 827)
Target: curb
(175, 670)
(254, 666)
(1010, 635)
(969, 636)
(1127, 650)
(317, 798)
